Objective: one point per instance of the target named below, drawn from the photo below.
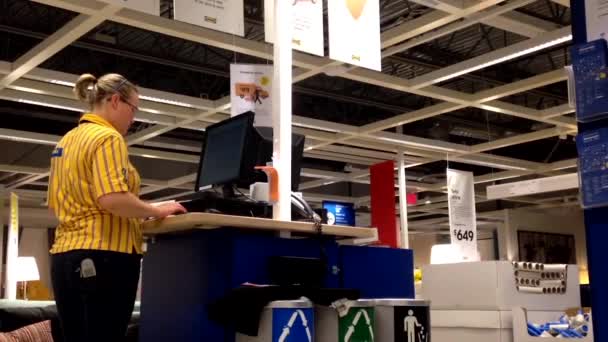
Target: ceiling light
(150, 110)
(27, 90)
(514, 55)
(165, 101)
(63, 83)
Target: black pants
(97, 304)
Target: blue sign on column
(589, 62)
(292, 325)
(592, 148)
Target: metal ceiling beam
(521, 24)
(488, 14)
(218, 39)
(63, 37)
(479, 98)
(521, 86)
(400, 84)
(22, 95)
(412, 142)
(510, 52)
(512, 22)
(557, 111)
(437, 92)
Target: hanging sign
(354, 32)
(461, 205)
(222, 15)
(146, 6)
(307, 25)
(251, 90)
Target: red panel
(382, 189)
(412, 198)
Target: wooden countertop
(191, 221)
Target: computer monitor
(233, 147)
(265, 149)
(228, 152)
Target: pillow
(38, 332)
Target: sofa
(17, 314)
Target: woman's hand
(170, 208)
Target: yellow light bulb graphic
(356, 7)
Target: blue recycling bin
(285, 321)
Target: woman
(93, 191)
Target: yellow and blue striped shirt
(88, 162)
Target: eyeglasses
(134, 108)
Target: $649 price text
(466, 235)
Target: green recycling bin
(285, 321)
(354, 323)
(403, 320)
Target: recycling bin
(403, 320)
(284, 321)
(353, 324)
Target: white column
(404, 237)
(281, 106)
(12, 249)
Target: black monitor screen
(223, 150)
(264, 150)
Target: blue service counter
(184, 272)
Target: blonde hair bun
(83, 86)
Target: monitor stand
(228, 203)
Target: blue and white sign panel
(292, 325)
(590, 62)
(593, 167)
(338, 213)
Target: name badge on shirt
(57, 152)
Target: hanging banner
(596, 13)
(354, 32)
(251, 90)
(461, 205)
(221, 15)
(146, 6)
(12, 248)
(307, 25)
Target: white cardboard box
(490, 286)
(483, 326)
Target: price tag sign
(461, 204)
